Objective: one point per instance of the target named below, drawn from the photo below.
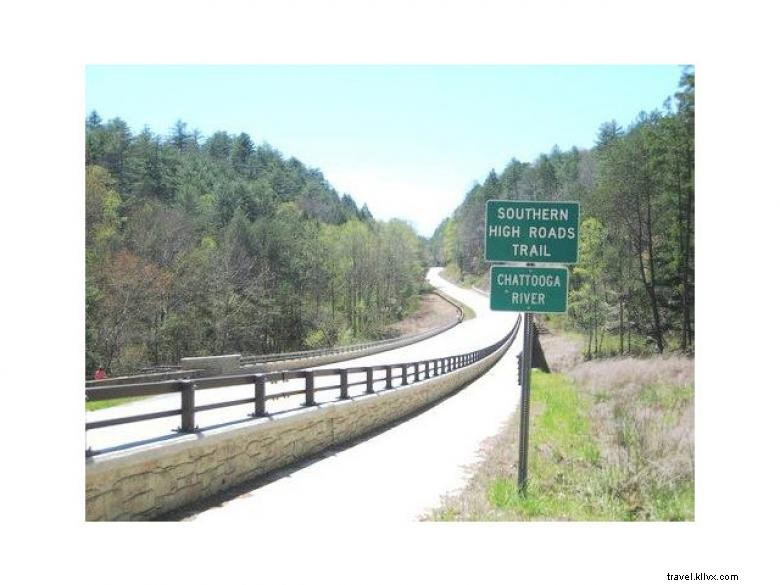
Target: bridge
(297, 430)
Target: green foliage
(634, 284)
(315, 339)
(563, 463)
(225, 246)
(589, 301)
(100, 404)
(569, 476)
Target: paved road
(471, 335)
(394, 476)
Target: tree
(589, 298)
(93, 121)
(219, 146)
(226, 248)
(241, 154)
(638, 185)
(179, 138)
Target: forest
(211, 245)
(633, 288)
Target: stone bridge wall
(150, 481)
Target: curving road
(396, 475)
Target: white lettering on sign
(525, 279)
(521, 298)
(505, 231)
(531, 250)
(545, 214)
(552, 233)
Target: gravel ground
(432, 312)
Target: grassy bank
(609, 343)
(98, 404)
(610, 440)
(468, 312)
(452, 273)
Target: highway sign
(531, 231)
(529, 289)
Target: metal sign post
(530, 232)
(525, 398)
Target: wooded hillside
(208, 246)
(635, 277)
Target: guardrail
(177, 372)
(403, 339)
(407, 372)
(277, 357)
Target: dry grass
(643, 418)
(562, 352)
(639, 465)
(432, 312)
(618, 374)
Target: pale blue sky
(407, 140)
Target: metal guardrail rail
(405, 339)
(278, 357)
(405, 372)
(156, 373)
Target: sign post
(525, 400)
(529, 232)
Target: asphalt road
(396, 475)
(470, 335)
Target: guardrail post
(435, 368)
(187, 407)
(427, 372)
(343, 387)
(403, 375)
(259, 396)
(388, 377)
(369, 380)
(417, 371)
(309, 389)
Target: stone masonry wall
(146, 483)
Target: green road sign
(532, 231)
(528, 289)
